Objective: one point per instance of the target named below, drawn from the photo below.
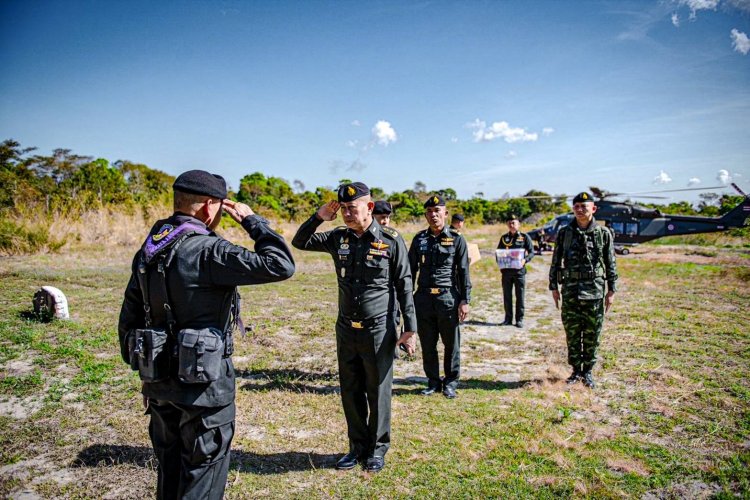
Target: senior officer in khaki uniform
(373, 273)
(439, 262)
(583, 262)
(176, 327)
(515, 278)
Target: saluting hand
(329, 210)
(237, 210)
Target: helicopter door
(631, 228)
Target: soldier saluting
(583, 262)
(373, 273)
(439, 262)
(176, 324)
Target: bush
(15, 239)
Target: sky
(491, 97)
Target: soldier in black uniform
(440, 266)
(176, 324)
(373, 274)
(515, 278)
(382, 212)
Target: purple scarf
(167, 235)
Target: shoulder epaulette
(390, 231)
(455, 232)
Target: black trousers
(191, 444)
(437, 317)
(365, 357)
(513, 279)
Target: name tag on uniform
(344, 251)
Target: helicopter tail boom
(738, 215)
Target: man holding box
(514, 273)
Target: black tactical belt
(361, 324)
(580, 275)
(433, 290)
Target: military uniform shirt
(372, 269)
(587, 263)
(439, 259)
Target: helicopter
(632, 224)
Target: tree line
(65, 184)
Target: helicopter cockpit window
(618, 227)
(631, 228)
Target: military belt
(580, 275)
(433, 290)
(361, 324)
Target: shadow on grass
(292, 380)
(30, 315)
(107, 455)
(473, 322)
(485, 385)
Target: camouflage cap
(583, 197)
(435, 200)
(382, 207)
(352, 191)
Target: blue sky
(482, 96)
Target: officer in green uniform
(373, 274)
(439, 262)
(583, 262)
(176, 324)
(515, 278)
(382, 212)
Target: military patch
(381, 253)
(163, 232)
(350, 191)
(447, 242)
(344, 246)
(379, 245)
(344, 251)
(370, 257)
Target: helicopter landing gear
(622, 250)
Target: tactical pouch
(149, 355)
(200, 355)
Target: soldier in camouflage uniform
(583, 261)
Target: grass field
(670, 417)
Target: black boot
(574, 377)
(588, 380)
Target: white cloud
(384, 133)
(693, 181)
(724, 176)
(696, 5)
(676, 20)
(547, 130)
(356, 123)
(499, 130)
(662, 178)
(454, 140)
(511, 154)
(740, 41)
(352, 144)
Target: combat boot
(574, 377)
(588, 380)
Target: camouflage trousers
(583, 321)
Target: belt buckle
(357, 325)
(434, 291)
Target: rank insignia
(379, 245)
(351, 191)
(381, 253)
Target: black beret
(434, 200)
(382, 207)
(350, 192)
(583, 197)
(512, 217)
(458, 217)
(201, 182)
